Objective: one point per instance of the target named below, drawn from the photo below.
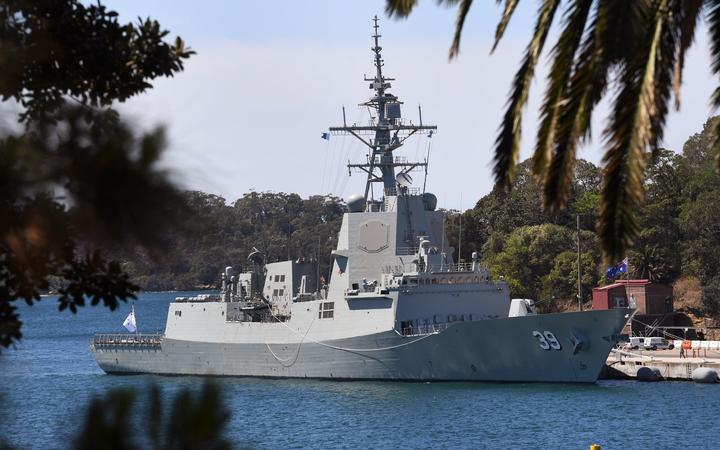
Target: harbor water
(48, 379)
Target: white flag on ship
(130, 321)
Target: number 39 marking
(547, 340)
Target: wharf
(625, 364)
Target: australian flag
(617, 269)
(325, 136)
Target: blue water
(48, 379)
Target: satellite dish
(403, 179)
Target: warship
(396, 306)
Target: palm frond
(504, 20)
(399, 8)
(462, 14)
(690, 15)
(713, 20)
(666, 64)
(587, 87)
(563, 56)
(507, 144)
(629, 134)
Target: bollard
(595, 447)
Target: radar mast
(385, 133)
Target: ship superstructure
(397, 305)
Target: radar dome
(356, 203)
(403, 179)
(430, 201)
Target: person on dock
(682, 352)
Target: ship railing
(380, 159)
(406, 251)
(459, 267)
(138, 340)
(394, 192)
(398, 269)
(425, 329)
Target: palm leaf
(399, 8)
(690, 14)
(666, 66)
(462, 14)
(629, 134)
(507, 144)
(563, 56)
(504, 20)
(587, 87)
(713, 19)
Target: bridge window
(327, 310)
(178, 313)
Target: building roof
(623, 283)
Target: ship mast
(384, 134)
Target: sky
(269, 77)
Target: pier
(669, 364)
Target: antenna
(460, 232)
(386, 133)
(427, 161)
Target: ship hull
(510, 350)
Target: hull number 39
(547, 340)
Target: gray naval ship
(397, 305)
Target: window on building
(282, 278)
(281, 292)
(275, 292)
(327, 310)
(178, 313)
(277, 278)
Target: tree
(634, 48)
(697, 218)
(282, 226)
(540, 262)
(655, 255)
(75, 176)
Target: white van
(654, 343)
(635, 343)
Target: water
(47, 381)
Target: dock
(668, 364)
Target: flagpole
(579, 262)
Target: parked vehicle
(634, 343)
(654, 343)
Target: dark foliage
(52, 49)
(195, 420)
(75, 177)
(282, 226)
